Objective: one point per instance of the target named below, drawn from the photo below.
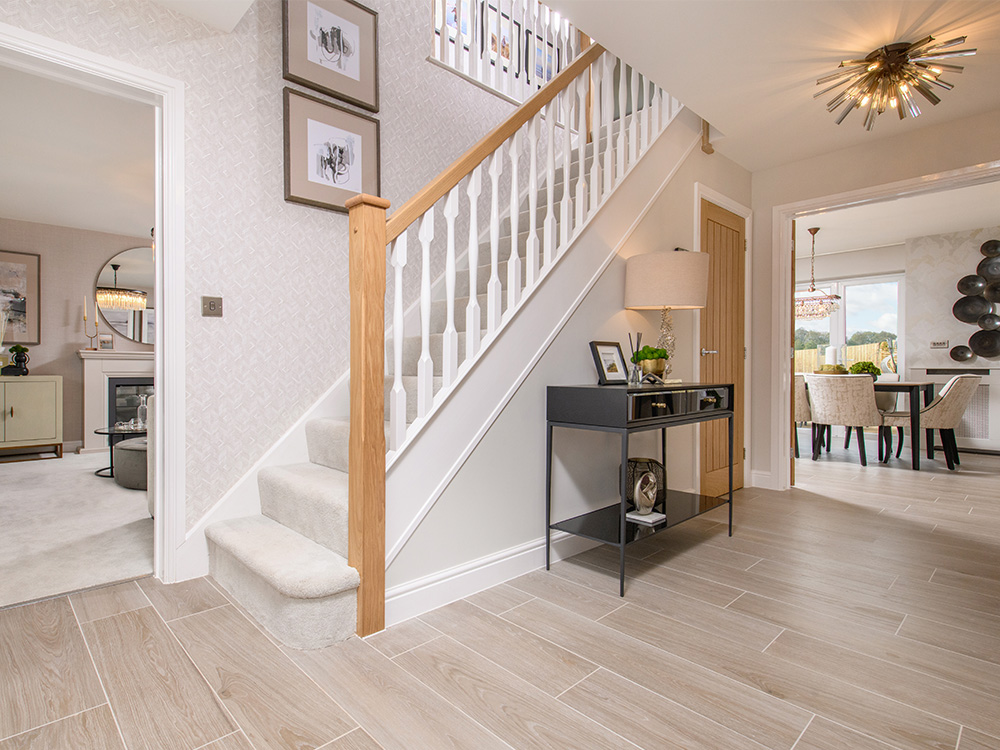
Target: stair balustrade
(580, 135)
(510, 47)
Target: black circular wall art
(969, 309)
(986, 343)
(990, 248)
(992, 292)
(972, 285)
(989, 322)
(989, 269)
(961, 353)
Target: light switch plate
(211, 307)
(942, 344)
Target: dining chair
(847, 400)
(885, 401)
(803, 413)
(942, 414)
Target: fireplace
(123, 397)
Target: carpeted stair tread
(293, 565)
(328, 441)
(308, 498)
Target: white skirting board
(413, 598)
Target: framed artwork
(20, 296)
(505, 47)
(105, 341)
(331, 153)
(332, 46)
(609, 361)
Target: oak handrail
(434, 190)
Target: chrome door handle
(705, 351)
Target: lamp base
(666, 339)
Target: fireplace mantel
(98, 367)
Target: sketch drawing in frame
(20, 295)
(331, 153)
(610, 362)
(332, 46)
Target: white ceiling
(893, 222)
(749, 67)
(74, 158)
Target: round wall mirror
(129, 271)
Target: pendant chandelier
(817, 305)
(888, 77)
(120, 299)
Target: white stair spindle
(531, 255)
(596, 71)
(633, 126)
(494, 288)
(514, 259)
(492, 31)
(477, 49)
(645, 114)
(656, 104)
(397, 398)
(549, 228)
(425, 365)
(473, 315)
(608, 121)
(582, 83)
(507, 27)
(566, 204)
(440, 24)
(452, 44)
(622, 104)
(532, 51)
(461, 21)
(449, 350)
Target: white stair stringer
(417, 475)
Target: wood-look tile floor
(859, 611)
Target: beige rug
(62, 528)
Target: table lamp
(665, 281)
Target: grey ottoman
(130, 463)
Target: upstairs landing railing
(511, 47)
(587, 128)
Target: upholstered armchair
(942, 414)
(847, 400)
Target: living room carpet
(62, 528)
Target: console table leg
(548, 494)
(621, 531)
(730, 420)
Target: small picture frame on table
(332, 46)
(331, 153)
(610, 363)
(106, 341)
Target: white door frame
(712, 196)
(51, 58)
(781, 283)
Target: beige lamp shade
(676, 279)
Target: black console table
(624, 410)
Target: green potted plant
(831, 370)
(866, 368)
(651, 360)
(19, 366)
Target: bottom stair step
(303, 593)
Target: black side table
(115, 435)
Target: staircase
(288, 565)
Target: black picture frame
(308, 162)
(321, 57)
(486, 9)
(610, 363)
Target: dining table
(914, 388)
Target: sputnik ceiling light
(888, 77)
(817, 305)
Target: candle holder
(90, 348)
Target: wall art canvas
(331, 153)
(20, 296)
(332, 46)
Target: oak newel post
(366, 475)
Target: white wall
(885, 159)
(496, 502)
(282, 268)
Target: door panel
(722, 326)
(34, 411)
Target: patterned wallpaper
(282, 268)
(934, 265)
